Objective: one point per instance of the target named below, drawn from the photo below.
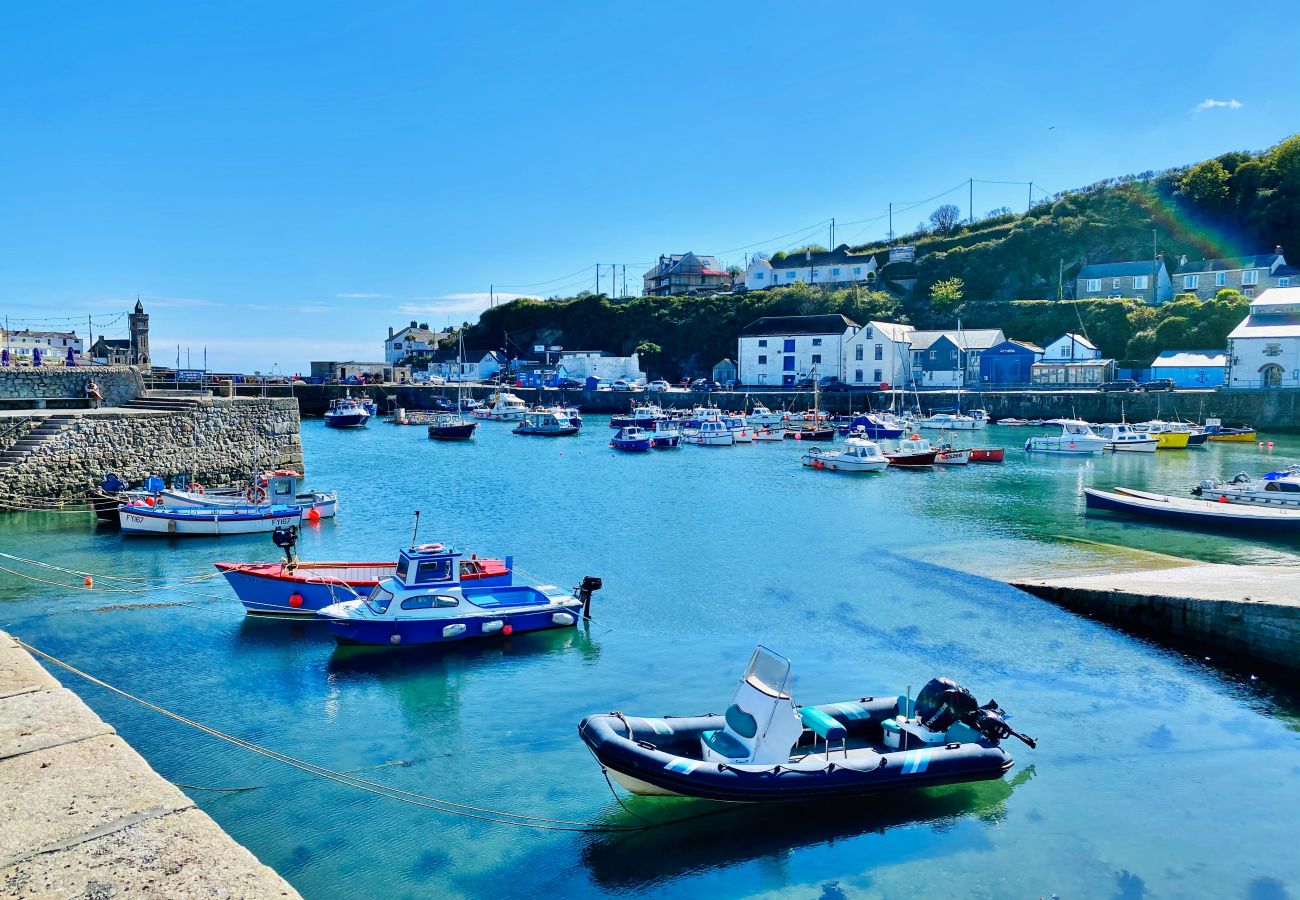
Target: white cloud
(1211, 103)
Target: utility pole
(891, 223)
(492, 298)
(598, 279)
(1030, 204)
(1155, 266)
(970, 203)
(832, 246)
(1060, 281)
(90, 336)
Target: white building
(879, 353)
(1264, 350)
(779, 350)
(583, 364)
(1070, 347)
(414, 339)
(827, 267)
(52, 344)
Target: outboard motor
(943, 702)
(590, 584)
(286, 538)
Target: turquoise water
(1156, 773)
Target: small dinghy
(1179, 510)
(138, 517)
(766, 748)
(426, 602)
(987, 455)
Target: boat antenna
(415, 529)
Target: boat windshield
(769, 672)
(379, 600)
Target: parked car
(705, 384)
(569, 384)
(834, 386)
(1157, 384)
(806, 381)
(1122, 384)
(622, 384)
(658, 386)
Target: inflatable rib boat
(766, 748)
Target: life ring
(431, 548)
(255, 495)
(195, 488)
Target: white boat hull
(716, 439)
(837, 462)
(326, 505)
(245, 520)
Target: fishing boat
(1183, 511)
(345, 412)
(290, 587)
(546, 423)
(913, 452)
(857, 455)
(1013, 421)
(138, 517)
(740, 428)
(874, 426)
(987, 454)
(426, 602)
(764, 433)
(1168, 435)
(1280, 490)
(709, 433)
(1122, 438)
(766, 748)
(701, 414)
(278, 488)
(503, 407)
(759, 415)
(665, 435)
(571, 413)
(643, 416)
(951, 422)
(451, 424)
(631, 439)
(1076, 439)
(948, 455)
(1217, 431)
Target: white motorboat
(346, 413)
(137, 517)
(1123, 438)
(858, 455)
(278, 488)
(947, 455)
(764, 433)
(952, 422)
(760, 415)
(1280, 490)
(505, 407)
(710, 433)
(1076, 439)
(740, 428)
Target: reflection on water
(1146, 757)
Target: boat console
(428, 565)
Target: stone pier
(83, 815)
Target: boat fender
(313, 515)
(508, 629)
(196, 488)
(560, 618)
(454, 630)
(255, 495)
(171, 526)
(395, 639)
(1223, 498)
(295, 600)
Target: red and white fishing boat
(913, 452)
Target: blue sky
(281, 182)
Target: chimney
(424, 326)
(390, 332)
(412, 323)
(1278, 249)
(1182, 260)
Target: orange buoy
(88, 581)
(148, 501)
(314, 514)
(1223, 499)
(295, 599)
(508, 629)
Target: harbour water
(1157, 773)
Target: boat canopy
(428, 565)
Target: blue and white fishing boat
(278, 488)
(425, 602)
(1277, 489)
(665, 435)
(138, 517)
(765, 747)
(874, 426)
(631, 439)
(346, 413)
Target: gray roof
(967, 339)
(770, 325)
(1258, 261)
(800, 259)
(1119, 269)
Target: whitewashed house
(52, 344)
(1264, 350)
(832, 268)
(413, 340)
(879, 353)
(583, 364)
(1072, 348)
(779, 350)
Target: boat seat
(725, 745)
(727, 742)
(825, 727)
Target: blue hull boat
(1183, 511)
(872, 427)
(631, 439)
(426, 601)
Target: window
(787, 364)
(1284, 281)
(789, 345)
(835, 273)
(762, 342)
(789, 276)
(1249, 292)
(1114, 284)
(878, 376)
(1140, 282)
(379, 600)
(857, 375)
(1221, 278)
(857, 270)
(1094, 285)
(429, 601)
(762, 378)
(1250, 276)
(758, 276)
(934, 354)
(857, 353)
(762, 359)
(817, 342)
(817, 358)
(1191, 282)
(880, 351)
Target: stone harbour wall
(118, 384)
(219, 442)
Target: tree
(1206, 185)
(945, 218)
(945, 295)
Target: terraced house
(1249, 274)
(1143, 279)
(829, 267)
